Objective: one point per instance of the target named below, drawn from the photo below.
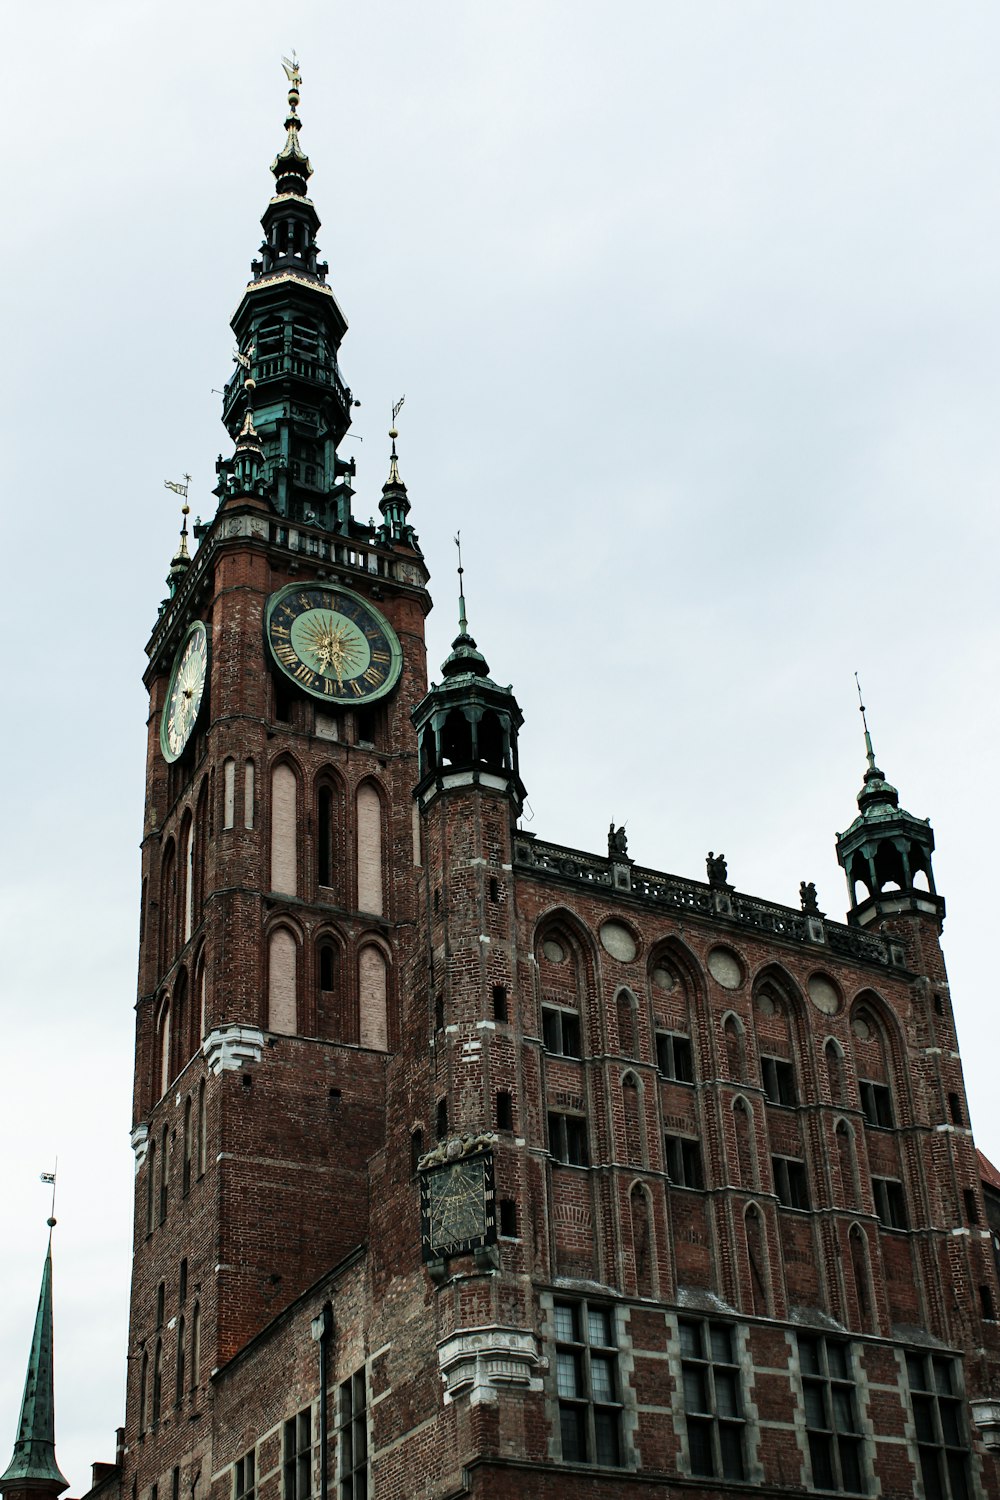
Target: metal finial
(463, 624)
(394, 434)
(181, 488)
(868, 739)
(294, 76)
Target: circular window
(766, 1003)
(662, 978)
(861, 1027)
(824, 994)
(725, 968)
(553, 951)
(618, 941)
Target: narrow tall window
(588, 1384)
(324, 837)
(369, 826)
(202, 1122)
(157, 1382)
(373, 1017)
(195, 1344)
(282, 994)
(151, 1187)
(876, 1103)
(228, 793)
(245, 1476)
(736, 1058)
(890, 1202)
(297, 1457)
(143, 1384)
(790, 1181)
(164, 1171)
(284, 838)
(188, 1146)
(778, 1077)
(830, 1400)
(834, 1071)
(352, 1434)
(189, 880)
(500, 1002)
(248, 794)
(939, 1419)
(505, 1110)
(163, 1051)
(683, 1158)
(713, 1400)
(179, 1386)
(441, 1119)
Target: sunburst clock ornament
(332, 643)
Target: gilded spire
(181, 560)
(291, 166)
(34, 1462)
(394, 504)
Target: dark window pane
(606, 1438)
(683, 1060)
(571, 1035)
(850, 1466)
(568, 1381)
(951, 1425)
(923, 1417)
(809, 1356)
(836, 1361)
(690, 1339)
(942, 1376)
(695, 1389)
(722, 1343)
(550, 1029)
(572, 1428)
(931, 1472)
(726, 1395)
(731, 1447)
(602, 1378)
(958, 1476)
(815, 1411)
(700, 1444)
(821, 1453)
(843, 1410)
(566, 1322)
(915, 1372)
(599, 1326)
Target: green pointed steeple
(33, 1466)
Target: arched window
(248, 794)
(143, 1383)
(848, 1165)
(282, 990)
(164, 1171)
(325, 854)
(369, 834)
(168, 905)
(187, 878)
(327, 966)
(202, 1122)
(871, 1065)
(628, 1040)
(373, 1020)
(162, 1051)
(736, 1056)
(188, 1147)
(632, 1110)
(862, 1283)
(195, 1343)
(456, 740)
(757, 1256)
(157, 1382)
(228, 793)
(201, 990)
(284, 845)
(151, 1187)
(642, 1237)
(834, 1071)
(180, 1027)
(181, 1352)
(742, 1125)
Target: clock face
(457, 1206)
(332, 643)
(185, 692)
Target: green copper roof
(35, 1449)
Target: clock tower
(278, 852)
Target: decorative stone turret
(887, 852)
(33, 1470)
(467, 725)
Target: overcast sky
(696, 312)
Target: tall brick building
(469, 1164)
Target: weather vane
(181, 488)
(397, 408)
(861, 701)
(50, 1179)
(291, 67)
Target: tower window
(505, 1110)
(508, 1218)
(568, 1139)
(674, 1057)
(876, 1103)
(683, 1158)
(561, 1031)
(830, 1403)
(986, 1305)
(352, 1429)
(160, 1299)
(282, 702)
(500, 1002)
(245, 1476)
(297, 1459)
(713, 1403)
(939, 1420)
(790, 1181)
(324, 837)
(955, 1109)
(327, 965)
(494, 888)
(439, 1012)
(441, 1119)
(182, 1287)
(778, 1077)
(971, 1206)
(890, 1202)
(587, 1383)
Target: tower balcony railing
(721, 904)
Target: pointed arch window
(282, 995)
(369, 836)
(188, 1147)
(195, 1343)
(642, 1236)
(180, 1370)
(151, 1187)
(284, 835)
(627, 1030)
(757, 1257)
(372, 1011)
(202, 1121)
(157, 1383)
(143, 1384)
(834, 1071)
(736, 1057)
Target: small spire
(34, 1462)
(394, 504)
(291, 166)
(181, 560)
(868, 739)
(463, 623)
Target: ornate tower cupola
(33, 1470)
(395, 504)
(289, 329)
(886, 853)
(467, 725)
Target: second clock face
(332, 643)
(457, 1207)
(185, 692)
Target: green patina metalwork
(34, 1459)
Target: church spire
(33, 1467)
(291, 166)
(395, 504)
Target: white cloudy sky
(695, 309)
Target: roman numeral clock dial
(332, 643)
(185, 692)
